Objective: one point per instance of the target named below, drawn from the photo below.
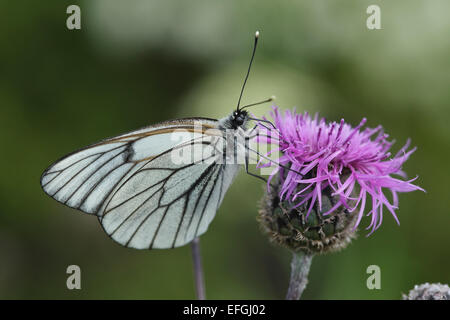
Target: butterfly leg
(247, 156)
(266, 121)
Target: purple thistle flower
(348, 160)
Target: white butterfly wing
(143, 198)
(163, 205)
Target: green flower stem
(198, 270)
(300, 266)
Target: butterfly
(156, 187)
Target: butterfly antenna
(248, 71)
(259, 102)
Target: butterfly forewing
(157, 187)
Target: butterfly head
(238, 118)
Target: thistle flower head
(353, 162)
(427, 291)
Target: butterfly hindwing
(157, 187)
(164, 205)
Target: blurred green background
(135, 63)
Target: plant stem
(198, 269)
(299, 275)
